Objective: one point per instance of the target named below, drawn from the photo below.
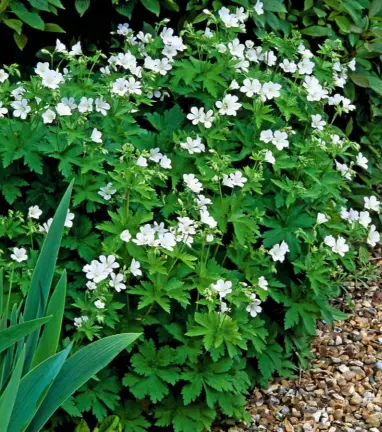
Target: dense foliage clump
(209, 210)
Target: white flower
(209, 238)
(288, 66)
(373, 237)
(167, 241)
(259, 8)
(3, 75)
(76, 49)
(192, 183)
(269, 157)
(165, 162)
(80, 321)
(240, 14)
(279, 251)
(96, 271)
(34, 212)
(364, 218)
(119, 86)
(202, 202)
(44, 228)
(305, 66)
(91, 285)
(101, 106)
(317, 122)
(133, 86)
(362, 161)
(142, 161)
(99, 304)
(21, 108)
(234, 85)
(234, 179)
(3, 110)
(69, 219)
(109, 262)
(123, 29)
(254, 307)
(266, 136)
(135, 268)
(51, 79)
(207, 219)
(371, 203)
(196, 115)
(125, 236)
(338, 246)
(223, 288)
(271, 90)
(208, 119)
(48, 116)
(251, 87)
(351, 215)
(321, 218)
(221, 48)
(280, 140)
(263, 283)
(352, 64)
(41, 68)
(96, 136)
(193, 145)
(270, 58)
(229, 20)
(63, 110)
(19, 255)
(60, 47)
(236, 48)
(116, 282)
(155, 154)
(343, 169)
(107, 191)
(85, 105)
(229, 105)
(315, 90)
(224, 307)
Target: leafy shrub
(209, 208)
(35, 380)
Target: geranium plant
(209, 208)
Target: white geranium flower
(76, 50)
(266, 136)
(259, 8)
(107, 191)
(373, 237)
(222, 287)
(280, 140)
(288, 66)
(269, 157)
(263, 283)
(371, 203)
(321, 218)
(34, 212)
(135, 268)
(69, 219)
(193, 145)
(125, 236)
(279, 251)
(364, 218)
(142, 161)
(362, 161)
(91, 285)
(251, 87)
(269, 58)
(99, 304)
(51, 79)
(85, 105)
(165, 162)
(48, 116)
(305, 67)
(196, 115)
(338, 246)
(192, 183)
(101, 106)
(109, 262)
(271, 90)
(3, 75)
(3, 110)
(96, 136)
(21, 108)
(19, 255)
(254, 307)
(44, 228)
(343, 169)
(234, 179)
(80, 321)
(207, 219)
(63, 109)
(229, 105)
(60, 47)
(116, 282)
(317, 122)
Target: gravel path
(342, 390)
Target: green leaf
(360, 80)
(33, 389)
(13, 334)
(33, 19)
(317, 31)
(56, 3)
(21, 40)
(78, 369)
(14, 24)
(8, 398)
(376, 84)
(82, 6)
(152, 5)
(51, 334)
(54, 28)
(43, 273)
(374, 8)
(343, 23)
(274, 6)
(40, 4)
